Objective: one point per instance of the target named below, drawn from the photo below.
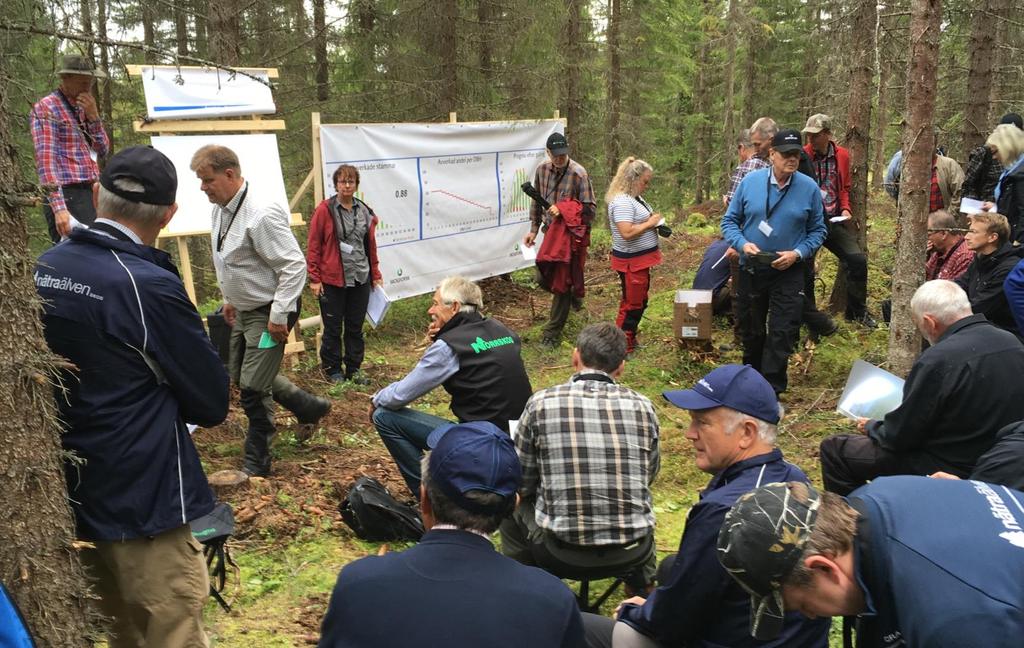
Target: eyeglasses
(348, 182)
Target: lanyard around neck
(768, 192)
(224, 233)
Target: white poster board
(871, 392)
(261, 166)
(195, 93)
(447, 195)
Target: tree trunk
(858, 129)
(85, 7)
(614, 88)
(320, 50)
(882, 116)
(224, 31)
(448, 41)
(729, 131)
(700, 101)
(202, 41)
(981, 50)
(148, 31)
(754, 43)
(180, 29)
(915, 180)
(573, 39)
(105, 90)
(38, 563)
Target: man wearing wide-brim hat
(68, 138)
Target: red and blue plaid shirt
(64, 141)
(935, 201)
(827, 168)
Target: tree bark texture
(981, 50)
(448, 49)
(915, 180)
(105, 89)
(180, 29)
(149, 31)
(85, 15)
(573, 39)
(700, 101)
(612, 144)
(320, 50)
(38, 563)
(224, 31)
(882, 116)
(858, 129)
(729, 131)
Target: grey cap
(818, 123)
(77, 64)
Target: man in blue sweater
(918, 561)
(733, 419)
(775, 221)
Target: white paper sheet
(971, 206)
(377, 307)
(529, 252)
(870, 392)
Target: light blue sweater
(797, 221)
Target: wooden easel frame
(250, 124)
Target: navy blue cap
(146, 166)
(475, 456)
(738, 387)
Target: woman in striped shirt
(634, 242)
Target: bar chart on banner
(391, 189)
(515, 168)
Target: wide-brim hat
(76, 64)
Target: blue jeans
(404, 433)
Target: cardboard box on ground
(691, 318)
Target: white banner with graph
(447, 195)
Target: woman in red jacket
(341, 257)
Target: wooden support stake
(185, 266)
(558, 115)
(453, 118)
(207, 126)
(318, 162)
(301, 191)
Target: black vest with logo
(491, 383)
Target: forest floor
(290, 541)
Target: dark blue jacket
(700, 604)
(713, 278)
(453, 590)
(145, 366)
(941, 563)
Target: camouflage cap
(817, 123)
(761, 541)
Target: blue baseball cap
(475, 456)
(738, 387)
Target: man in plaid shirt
(561, 179)
(68, 136)
(589, 451)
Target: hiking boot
(865, 320)
(336, 377)
(549, 342)
(815, 335)
(307, 408)
(577, 303)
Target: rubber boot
(259, 436)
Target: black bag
(213, 531)
(373, 514)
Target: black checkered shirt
(589, 450)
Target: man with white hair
(956, 397)
(734, 415)
(476, 359)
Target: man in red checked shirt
(68, 137)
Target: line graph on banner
(459, 194)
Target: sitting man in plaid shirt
(68, 136)
(589, 451)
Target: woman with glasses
(341, 257)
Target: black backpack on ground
(373, 514)
(213, 531)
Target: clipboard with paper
(377, 307)
(870, 392)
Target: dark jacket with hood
(983, 283)
(1011, 202)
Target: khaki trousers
(153, 589)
